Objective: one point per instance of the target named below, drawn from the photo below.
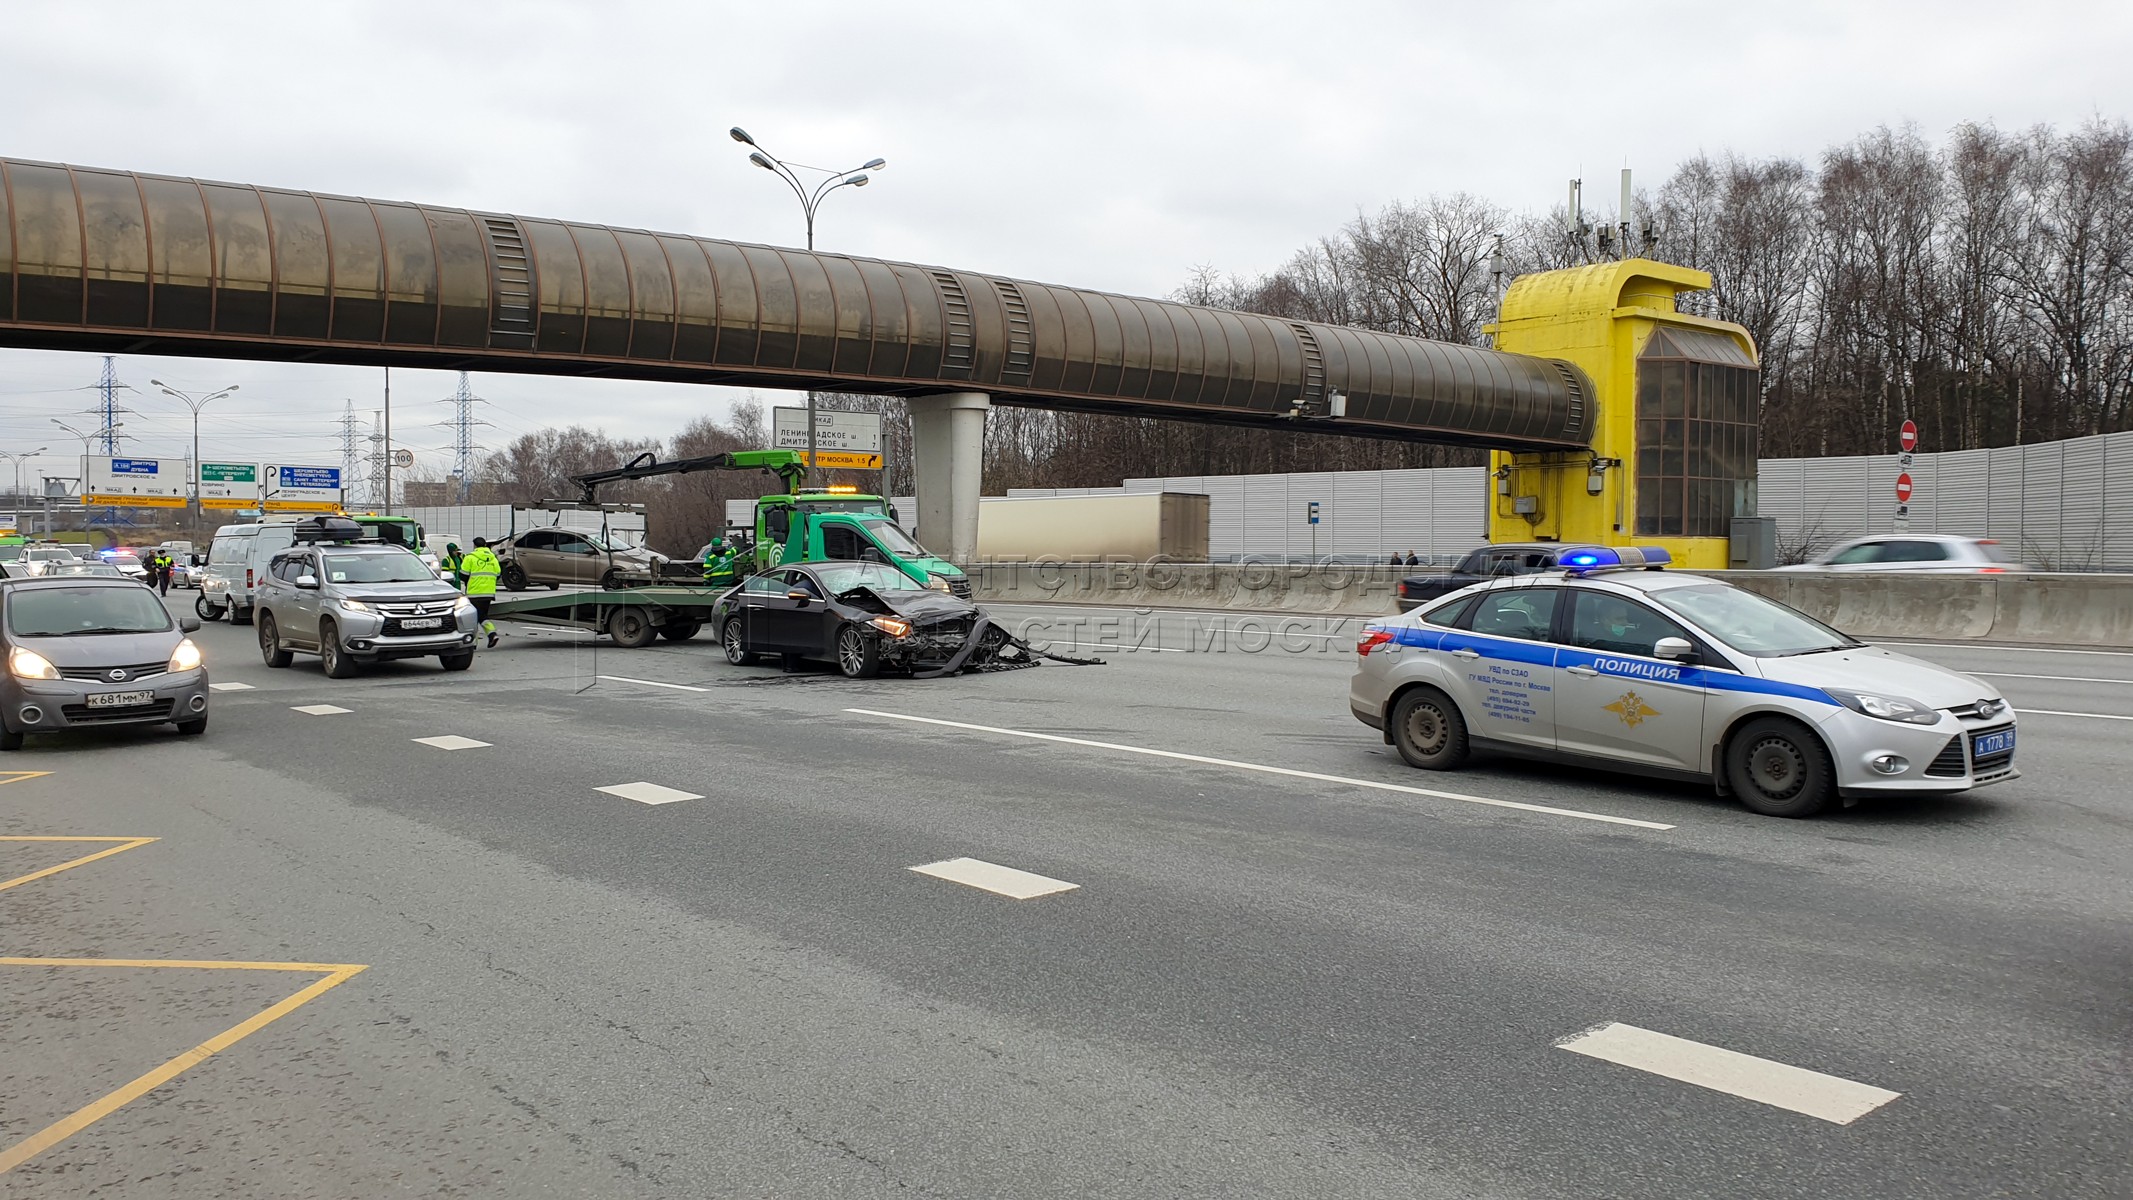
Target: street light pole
(196, 404)
(810, 202)
(86, 438)
(17, 459)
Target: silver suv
(353, 603)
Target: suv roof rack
(312, 530)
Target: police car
(1615, 660)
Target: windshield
(394, 533)
(123, 560)
(1750, 623)
(880, 577)
(10, 553)
(75, 611)
(81, 568)
(377, 568)
(894, 539)
(50, 554)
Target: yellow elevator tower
(1678, 401)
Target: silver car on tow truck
(1614, 660)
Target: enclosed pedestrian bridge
(110, 261)
(1612, 417)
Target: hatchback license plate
(1985, 745)
(120, 699)
(422, 623)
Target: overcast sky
(1104, 145)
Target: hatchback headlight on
(891, 626)
(28, 664)
(1886, 707)
(356, 606)
(186, 657)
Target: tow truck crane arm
(787, 465)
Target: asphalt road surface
(1216, 940)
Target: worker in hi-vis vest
(481, 568)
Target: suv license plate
(1985, 745)
(422, 622)
(120, 699)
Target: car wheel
(457, 662)
(270, 643)
(555, 587)
(1428, 730)
(737, 651)
(193, 728)
(10, 740)
(330, 654)
(610, 579)
(680, 631)
(858, 655)
(208, 612)
(240, 616)
(1779, 768)
(513, 577)
(631, 627)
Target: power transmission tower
(349, 438)
(110, 386)
(462, 426)
(374, 487)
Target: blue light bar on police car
(1580, 560)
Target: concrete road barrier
(2049, 609)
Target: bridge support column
(947, 456)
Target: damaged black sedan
(863, 618)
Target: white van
(235, 562)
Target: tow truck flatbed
(632, 616)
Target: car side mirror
(188, 625)
(307, 581)
(1675, 649)
(797, 594)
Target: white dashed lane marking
(1267, 770)
(679, 687)
(230, 687)
(452, 741)
(992, 877)
(1825, 1097)
(320, 710)
(648, 793)
(2046, 712)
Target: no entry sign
(1907, 437)
(1903, 488)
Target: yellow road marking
(131, 843)
(19, 776)
(73, 1123)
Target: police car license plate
(119, 699)
(1985, 745)
(422, 622)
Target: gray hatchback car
(85, 651)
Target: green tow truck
(792, 526)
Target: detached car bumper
(41, 705)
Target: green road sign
(229, 472)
